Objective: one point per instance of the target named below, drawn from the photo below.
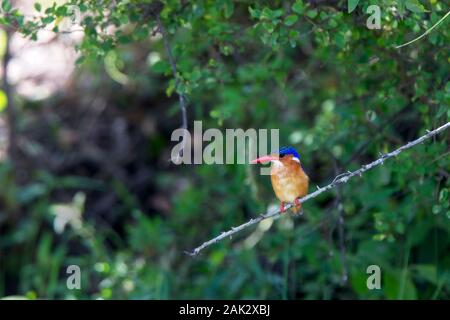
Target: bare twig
(340, 220)
(341, 235)
(343, 179)
(181, 97)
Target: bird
(289, 180)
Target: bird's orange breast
(289, 181)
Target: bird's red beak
(265, 159)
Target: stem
(173, 65)
(11, 109)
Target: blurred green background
(87, 178)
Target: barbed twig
(342, 179)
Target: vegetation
(88, 180)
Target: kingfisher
(289, 180)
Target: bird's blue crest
(288, 150)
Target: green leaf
(333, 23)
(293, 36)
(290, 20)
(351, 5)
(436, 209)
(415, 6)
(38, 6)
(398, 285)
(312, 13)
(339, 39)
(228, 9)
(3, 100)
(80, 60)
(297, 7)
(277, 13)
(427, 272)
(6, 5)
(443, 195)
(269, 14)
(170, 88)
(83, 7)
(3, 42)
(254, 13)
(48, 19)
(31, 192)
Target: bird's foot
(282, 208)
(298, 205)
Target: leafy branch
(339, 179)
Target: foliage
(339, 92)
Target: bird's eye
(282, 155)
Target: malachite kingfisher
(289, 180)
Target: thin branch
(11, 108)
(340, 221)
(341, 235)
(341, 180)
(181, 97)
(425, 33)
